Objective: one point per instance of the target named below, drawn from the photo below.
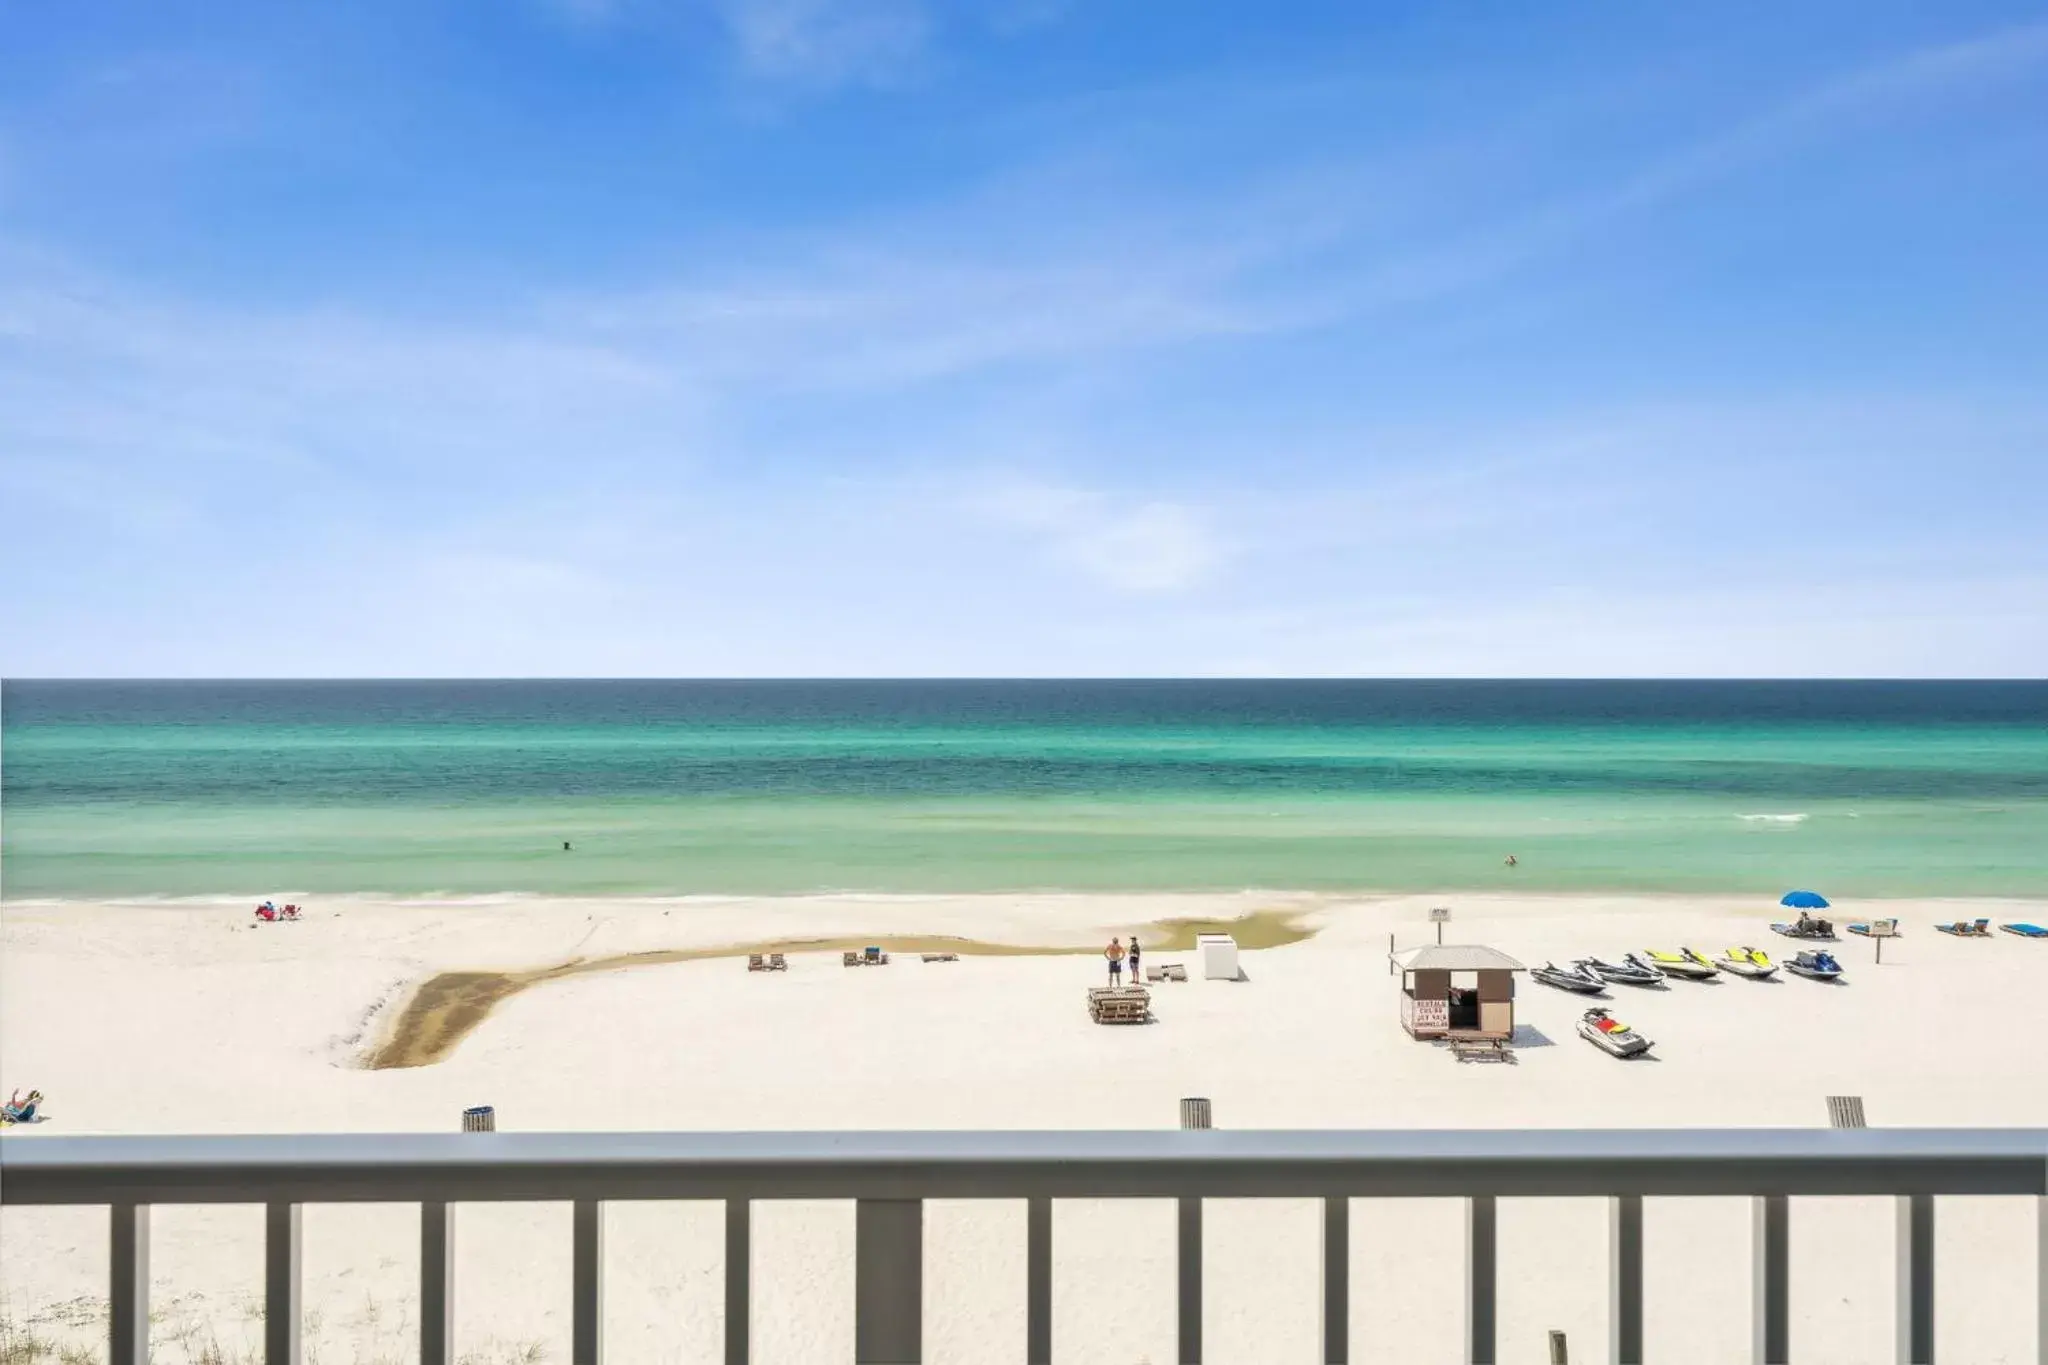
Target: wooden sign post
(1440, 916)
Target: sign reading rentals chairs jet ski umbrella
(1457, 992)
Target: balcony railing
(890, 1174)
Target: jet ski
(1685, 962)
(1749, 962)
(1577, 977)
(1610, 1035)
(1816, 966)
(1630, 971)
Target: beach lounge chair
(755, 964)
(1806, 927)
(1863, 927)
(941, 957)
(777, 962)
(1963, 928)
(2025, 930)
(1981, 929)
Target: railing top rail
(343, 1167)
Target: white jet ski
(1610, 1035)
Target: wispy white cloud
(1842, 104)
(805, 44)
(583, 480)
(828, 42)
(1461, 258)
(1131, 545)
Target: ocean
(452, 789)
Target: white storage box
(1219, 956)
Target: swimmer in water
(1511, 858)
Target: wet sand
(448, 1007)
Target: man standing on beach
(1115, 953)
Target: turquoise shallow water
(182, 789)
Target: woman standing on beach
(1137, 979)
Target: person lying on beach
(18, 1110)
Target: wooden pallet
(1120, 1005)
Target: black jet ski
(1577, 977)
(1630, 971)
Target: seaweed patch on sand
(448, 1007)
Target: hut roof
(1454, 957)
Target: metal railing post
(586, 1283)
(1188, 1313)
(1336, 1279)
(1916, 1279)
(128, 1286)
(1625, 1279)
(739, 1270)
(1481, 1275)
(281, 1304)
(888, 1281)
(1038, 1281)
(1771, 1267)
(437, 1284)
(2041, 1278)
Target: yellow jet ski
(1750, 962)
(1685, 962)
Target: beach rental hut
(1218, 953)
(1457, 991)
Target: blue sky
(892, 337)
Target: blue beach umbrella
(1805, 900)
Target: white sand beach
(189, 1018)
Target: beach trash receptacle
(481, 1118)
(1218, 953)
(1194, 1111)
